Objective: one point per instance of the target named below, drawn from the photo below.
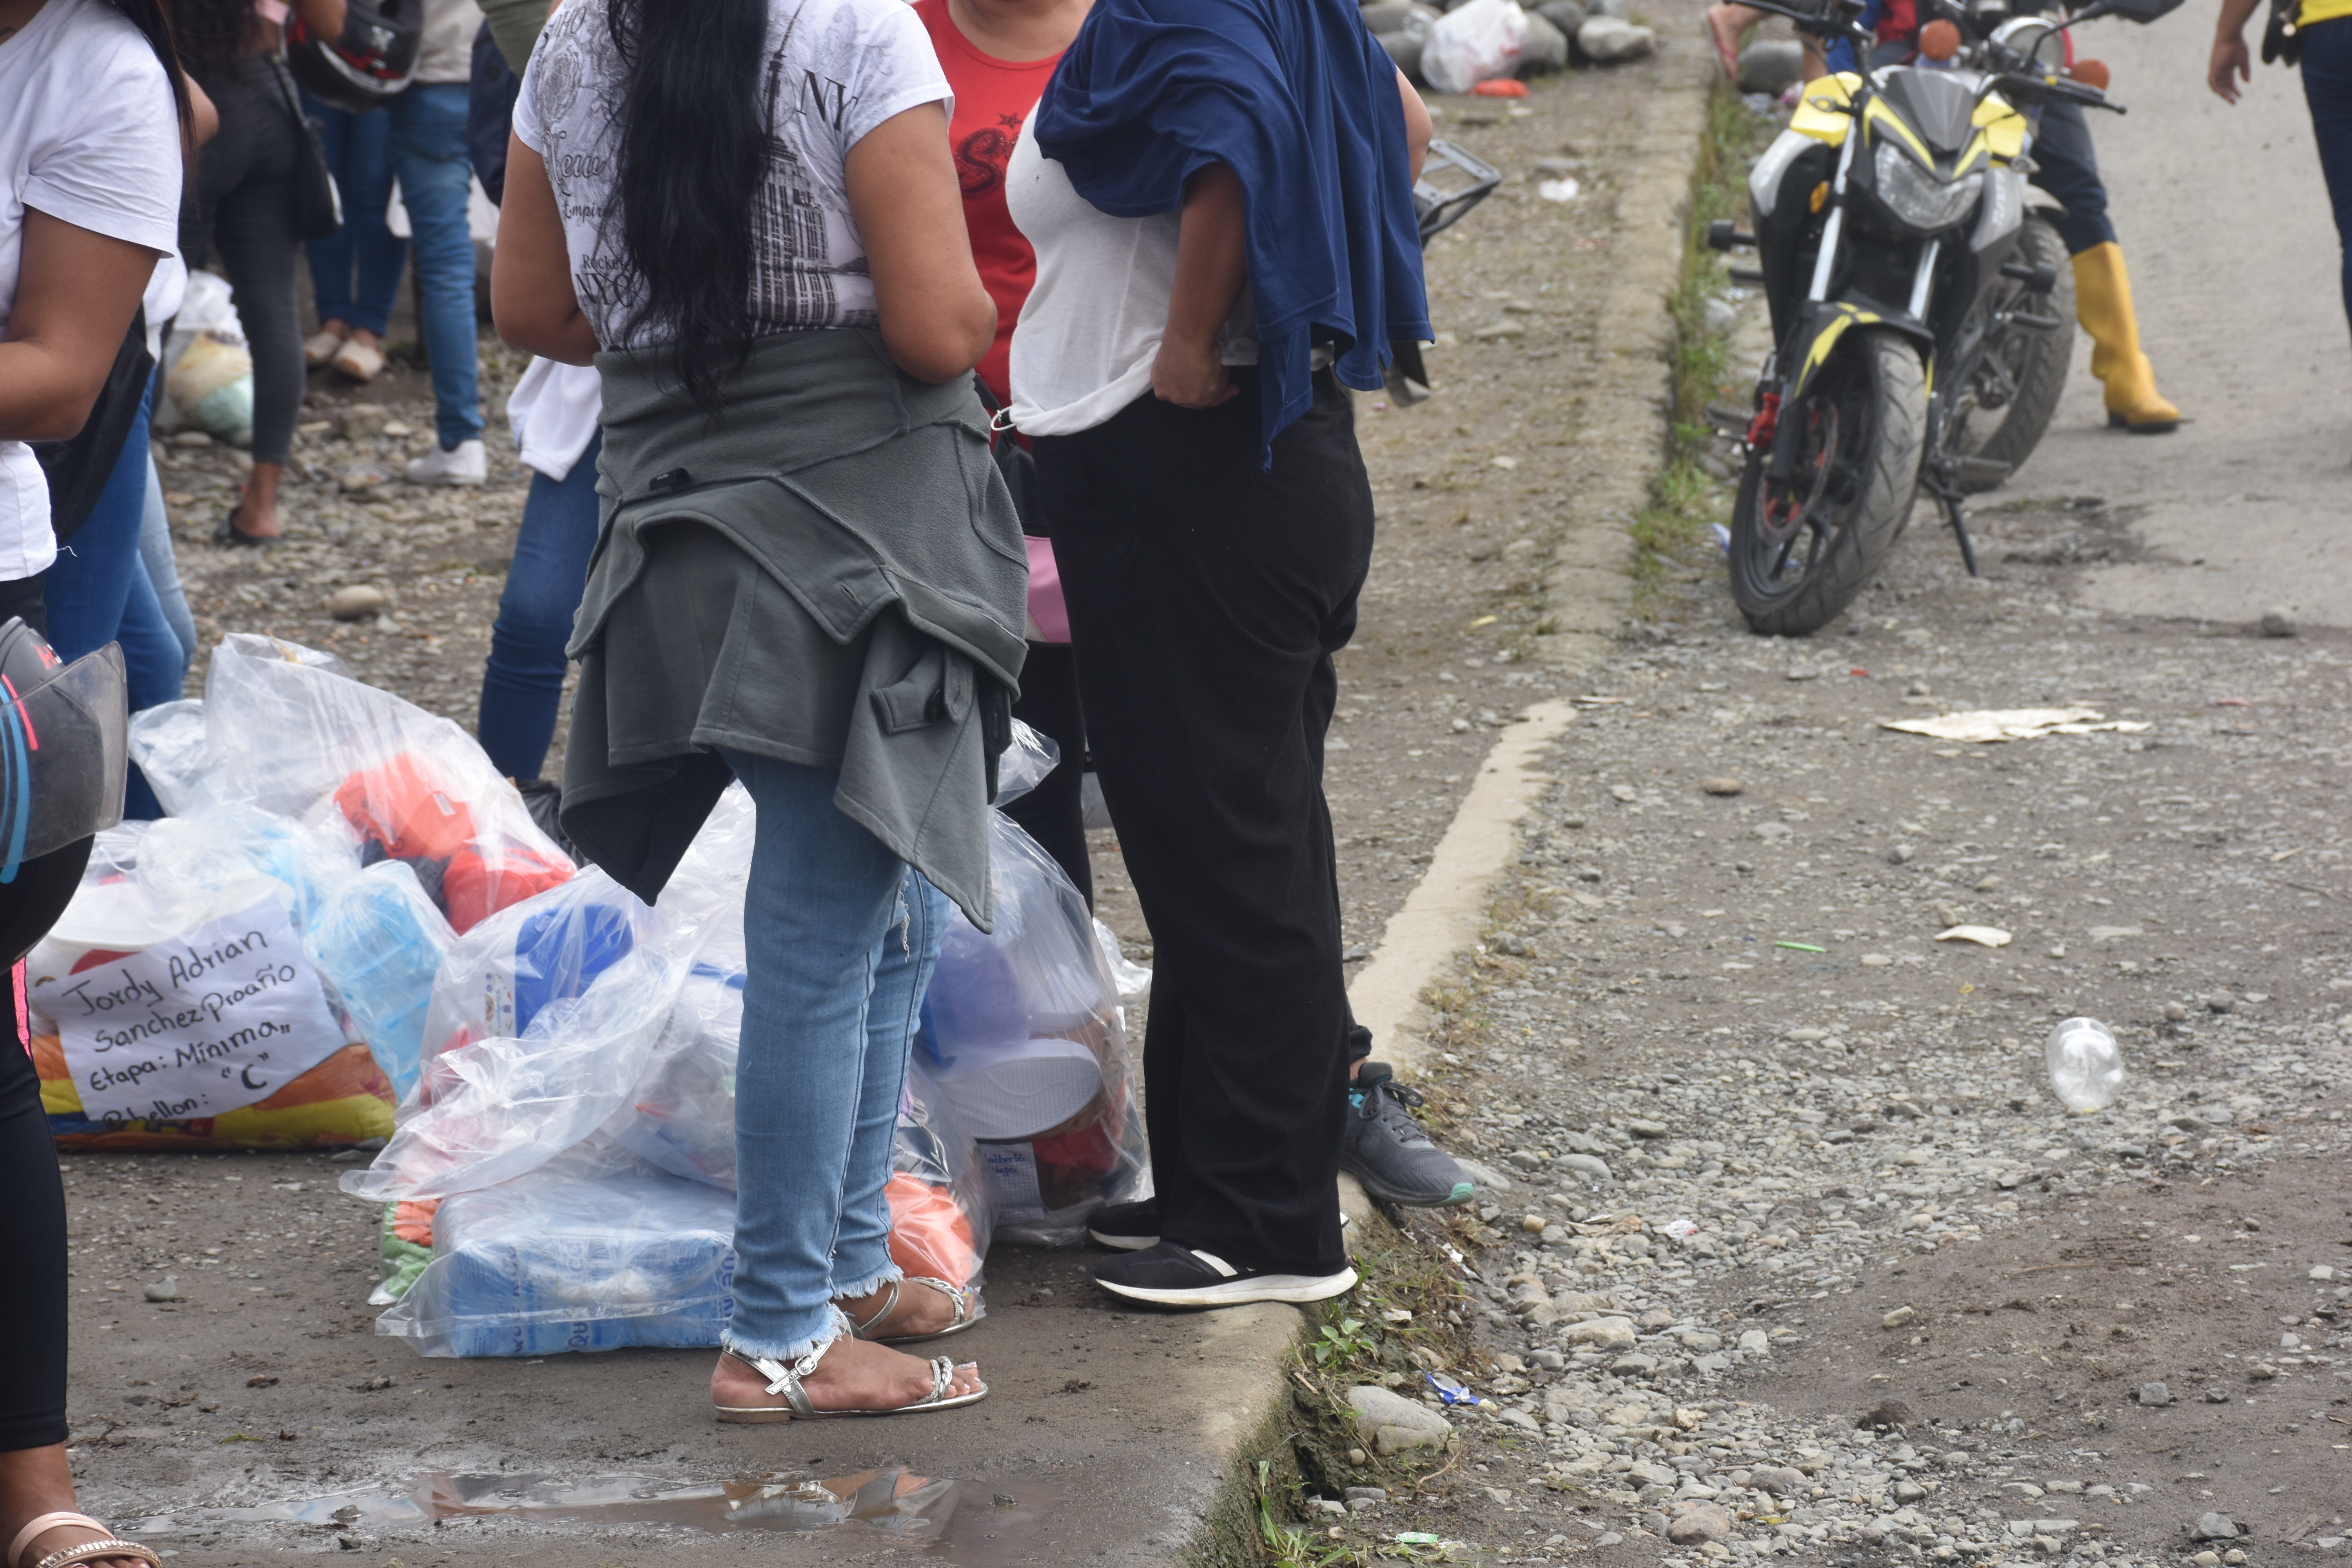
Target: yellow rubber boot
(2103, 303)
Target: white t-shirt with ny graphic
(831, 71)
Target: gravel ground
(1799, 1252)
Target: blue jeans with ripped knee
(840, 937)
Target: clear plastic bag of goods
(496, 978)
(572, 1258)
(1474, 43)
(288, 729)
(1025, 763)
(939, 1218)
(1024, 1038)
(210, 385)
(380, 942)
(681, 1118)
(167, 742)
(487, 1110)
(173, 1005)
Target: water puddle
(890, 1502)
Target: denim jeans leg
(910, 951)
(522, 681)
(822, 903)
(428, 153)
(331, 259)
(163, 568)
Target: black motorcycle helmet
(366, 67)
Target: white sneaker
(467, 464)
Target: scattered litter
(1501, 86)
(1809, 947)
(1988, 725)
(1983, 936)
(1449, 1391)
(2109, 934)
(1722, 536)
(1395, 1315)
(2085, 1066)
(1564, 189)
(1680, 1229)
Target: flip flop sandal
(320, 347)
(786, 1381)
(964, 1317)
(229, 533)
(88, 1551)
(359, 361)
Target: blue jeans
(163, 568)
(359, 154)
(522, 684)
(2328, 88)
(98, 592)
(428, 153)
(840, 936)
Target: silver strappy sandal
(786, 1381)
(88, 1551)
(964, 1315)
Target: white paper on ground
(1983, 936)
(197, 1025)
(1987, 724)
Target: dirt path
(1837, 1182)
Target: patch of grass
(1670, 535)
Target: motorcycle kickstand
(1950, 499)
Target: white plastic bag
(1476, 43)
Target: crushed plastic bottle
(2086, 1067)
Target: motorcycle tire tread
(1859, 549)
(2044, 379)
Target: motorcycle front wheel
(1802, 551)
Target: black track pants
(1206, 596)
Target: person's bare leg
(257, 512)
(855, 1375)
(1725, 24)
(35, 1481)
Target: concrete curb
(1242, 1384)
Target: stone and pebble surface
(402, 581)
(1719, 1076)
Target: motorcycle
(1889, 220)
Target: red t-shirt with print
(993, 97)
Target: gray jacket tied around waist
(830, 573)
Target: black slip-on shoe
(1167, 1275)
(1386, 1150)
(1128, 1227)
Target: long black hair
(693, 150)
(155, 26)
(208, 34)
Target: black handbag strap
(78, 467)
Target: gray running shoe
(1386, 1150)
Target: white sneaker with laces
(466, 464)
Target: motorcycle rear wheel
(1857, 474)
(2034, 362)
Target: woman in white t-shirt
(745, 214)
(89, 189)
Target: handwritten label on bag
(193, 1026)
